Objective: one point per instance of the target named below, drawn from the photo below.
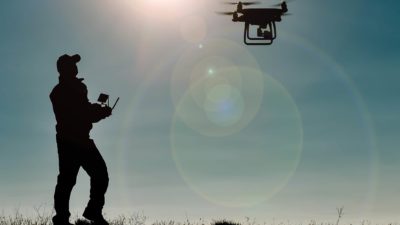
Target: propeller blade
(225, 13)
(250, 3)
(243, 3)
(231, 3)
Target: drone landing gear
(265, 34)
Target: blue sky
(208, 127)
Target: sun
(164, 8)
(167, 9)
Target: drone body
(264, 18)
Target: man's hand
(107, 111)
(99, 112)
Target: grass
(19, 219)
(135, 219)
(43, 217)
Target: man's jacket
(74, 113)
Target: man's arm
(95, 112)
(98, 112)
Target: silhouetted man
(75, 115)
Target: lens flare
(219, 88)
(241, 168)
(224, 105)
(206, 60)
(217, 92)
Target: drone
(264, 18)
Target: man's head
(66, 65)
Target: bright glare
(166, 9)
(159, 18)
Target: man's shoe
(61, 221)
(96, 218)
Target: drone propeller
(243, 3)
(225, 13)
(250, 3)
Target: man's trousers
(72, 155)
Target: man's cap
(65, 61)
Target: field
(135, 219)
(43, 217)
